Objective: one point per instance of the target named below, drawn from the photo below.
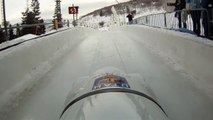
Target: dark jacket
(130, 17)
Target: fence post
(165, 23)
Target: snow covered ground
(119, 19)
(180, 97)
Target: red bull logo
(110, 81)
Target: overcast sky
(15, 7)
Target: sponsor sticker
(110, 81)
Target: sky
(15, 7)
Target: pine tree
(32, 16)
(57, 15)
(28, 19)
(24, 18)
(36, 10)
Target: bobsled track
(36, 76)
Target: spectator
(68, 23)
(208, 26)
(18, 31)
(37, 30)
(180, 5)
(11, 34)
(130, 18)
(184, 17)
(42, 27)
(193, 5)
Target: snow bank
(27, 37)
(148, 11)
(17, 40)
(192, 56)
(22, 66)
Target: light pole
(5, 20)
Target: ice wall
(22, 66)
(189, 52)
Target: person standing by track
(194, 6)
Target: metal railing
(197, 21)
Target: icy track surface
(178, 96)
